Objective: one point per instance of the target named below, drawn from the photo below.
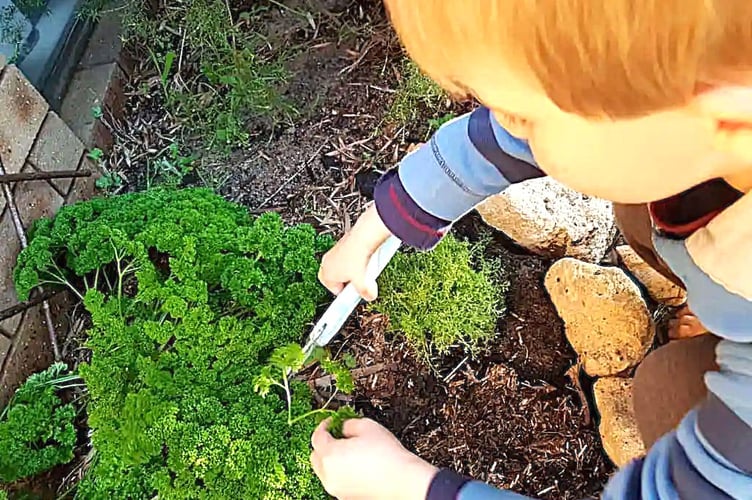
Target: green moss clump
(440, 299)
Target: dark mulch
(511, 417)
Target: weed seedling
(95, 154)
(415, 91)
(164, 69)
(288, 360)
(169, 169)
(109, 181)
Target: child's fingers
(330, 284)
(355, 427)
(321, 439)
(369, 290)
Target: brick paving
(32, 139)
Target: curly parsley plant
(189, 296)
(36, 427)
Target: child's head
(631, 100)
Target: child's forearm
(465, 162)
(370, 229)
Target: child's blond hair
(616, 58)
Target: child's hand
(368, 463)
(348, 260)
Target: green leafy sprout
(286, 361)
(170, 168)
(95, 154)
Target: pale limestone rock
(552, 220)
(606, 319)
(618, 427)
(660, 288)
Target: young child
(637, 101)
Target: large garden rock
(552, 220)
(606, 319)
(660, 288)
(618, 427)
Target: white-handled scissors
(336, 315)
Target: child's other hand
(348, 260)
(368, 463)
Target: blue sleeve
(710, 455)
(722, 312)
(466, 161)
(475, 490)
(448, 485)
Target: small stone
(552, 220)
(660, 288)
(605, 317)
(618, 426)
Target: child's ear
(729, 110)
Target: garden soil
(511, 416)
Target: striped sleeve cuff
(446, 485)
(404, 218)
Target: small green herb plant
(189, 296)
(415, 95)
(97, 113)
(109, 180)
(170, 168)
(36, 428)
(286, 361)
(447, 297)
(227, 75)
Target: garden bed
(510, 415)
